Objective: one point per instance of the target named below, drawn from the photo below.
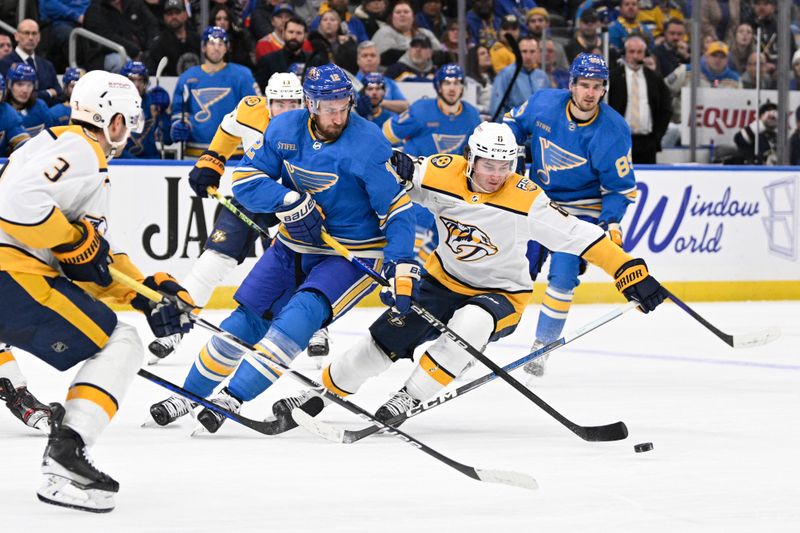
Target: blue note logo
(309, 180)
(448, 144)
(206, 98)
(555, 158)
(468, 243)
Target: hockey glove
(404, 166)
(206, 173)
(87, 258)
(635, 283)
(159, 99)
(364, 106)
(403, 277)
(613, 231)
(180, 130)
(166, 318)
(303, 220)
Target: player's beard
(331, 132)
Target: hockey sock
(218, 359)
(100, 384)
(553, 314)
(9, 367)
(207, 272)
(347, 373)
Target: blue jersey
(425, 129)
(211, 97)
(381, 117)
(36, 118)
(12, 134)
(59, 114)
(365, 208)
(586, 167)
(393, 91)
(143, 145)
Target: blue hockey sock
(553, 314)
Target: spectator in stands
(748, 77)
(482, 24)
(538, 25)
(450, 43)
(331, 42)
(794, 83)
(794, 139)
(655, 16)
(530, 79)
(354, 24)
(518, 8)
(763, 16)
(368, 104)
(714, 72)
(179, 43)
(368, 62)
(294, 34)
(587, 38)
(394, 39)
(557, 73)
(627, 22)
(126, 22)
(241, 49)
(745, 138)
(21, 81)
(48, 89)
(61, 112)
(58, 18)
(719, 18)
(12, 134)
(741, 46)
(479, 68)
(274, 41)
(6, 45)
(416, 64)
(501, 52)
(674, 50)
(261, 18)
(640, 95)
(372, 14)
(431, 18)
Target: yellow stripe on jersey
(432, 368)
(80, 132)
(556, 305)
(13, 259)
(116, 293)
(96, 395)
(607, 255)
(6, 357)
(399, 204)
(357, 290)
(213, 365)
(389, 133)
(328, 383)
(224, 143)
(239, 175)
(41, 291)
(508, 321)
(52, 230)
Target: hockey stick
(162, 64)
(184, 117)
(516, 479)
(512, 43)
(227, 204)
(349, 437)
(742, 340)
(609, 432)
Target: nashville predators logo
(469, 243)
(447, 144)
(309, 180)
(252, 101)
(555, 158)
(219, 236)
(206, 98)
(441, 161)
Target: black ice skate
(163, 346)
(211, 420)
(25, 406)
(536, 367)
(307, 401)
(169, 410)
(70, 478)
(401, 402)
(319, 345)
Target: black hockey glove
(403, 278)
(206, 173)
(87, 258)
(635, 283)
(404, 166)
(166, 318)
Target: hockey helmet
(491, 140)
(21, 72)
(283, 86)
(215, 32)
(589, 66)
(450, 71)
(72, 74)
(326, 82)
(374, 78)
(134, 68)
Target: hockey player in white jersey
(54, 195)
(477, 278)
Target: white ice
(724, 423)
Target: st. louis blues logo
(206, 98)
(136, 140)
(447, 144)
(555, 158)
(469, 243)
(309, 180)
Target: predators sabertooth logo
(469, 243)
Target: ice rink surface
(725, 425)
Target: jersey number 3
(60, 167)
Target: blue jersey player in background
(12, 134)
(155, 104)
(581, 152)
(213, 89)
(310, 162)
(61, 112)
(21, 94)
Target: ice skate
(168, 411)
(211, 421)
(319, 346)
(401, 402)
(306, 401)
(536, 367)
(25, 406)
(162, 347)
(70, 478)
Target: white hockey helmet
(98, 96)
(491, 140)
(284, 86)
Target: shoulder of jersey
(424, 104)
(609, 117)
(288, 125)
(235, 67)
(75, 136)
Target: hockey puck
(643, 447)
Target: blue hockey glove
(159, 98)
(303, 220)
(166, 319)
(635, 283)
(206, 172)
(404, 166)
(180, 130)
(364, 106)
(403, 278)
(86, 259)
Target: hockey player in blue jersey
(213, 88)
(60, 112)
(21, 94)
(300, 284)
(12, 134)
(155, 106)
(581, 152)
(368, 103)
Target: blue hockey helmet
(21, 72)
(450, 71)
(375, 78)
(134, 68)
(215, 32)
(327, 82)
(589, 66)
(72, 74)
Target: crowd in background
(407, 40)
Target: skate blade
(61, 491)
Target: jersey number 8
(624, 165)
